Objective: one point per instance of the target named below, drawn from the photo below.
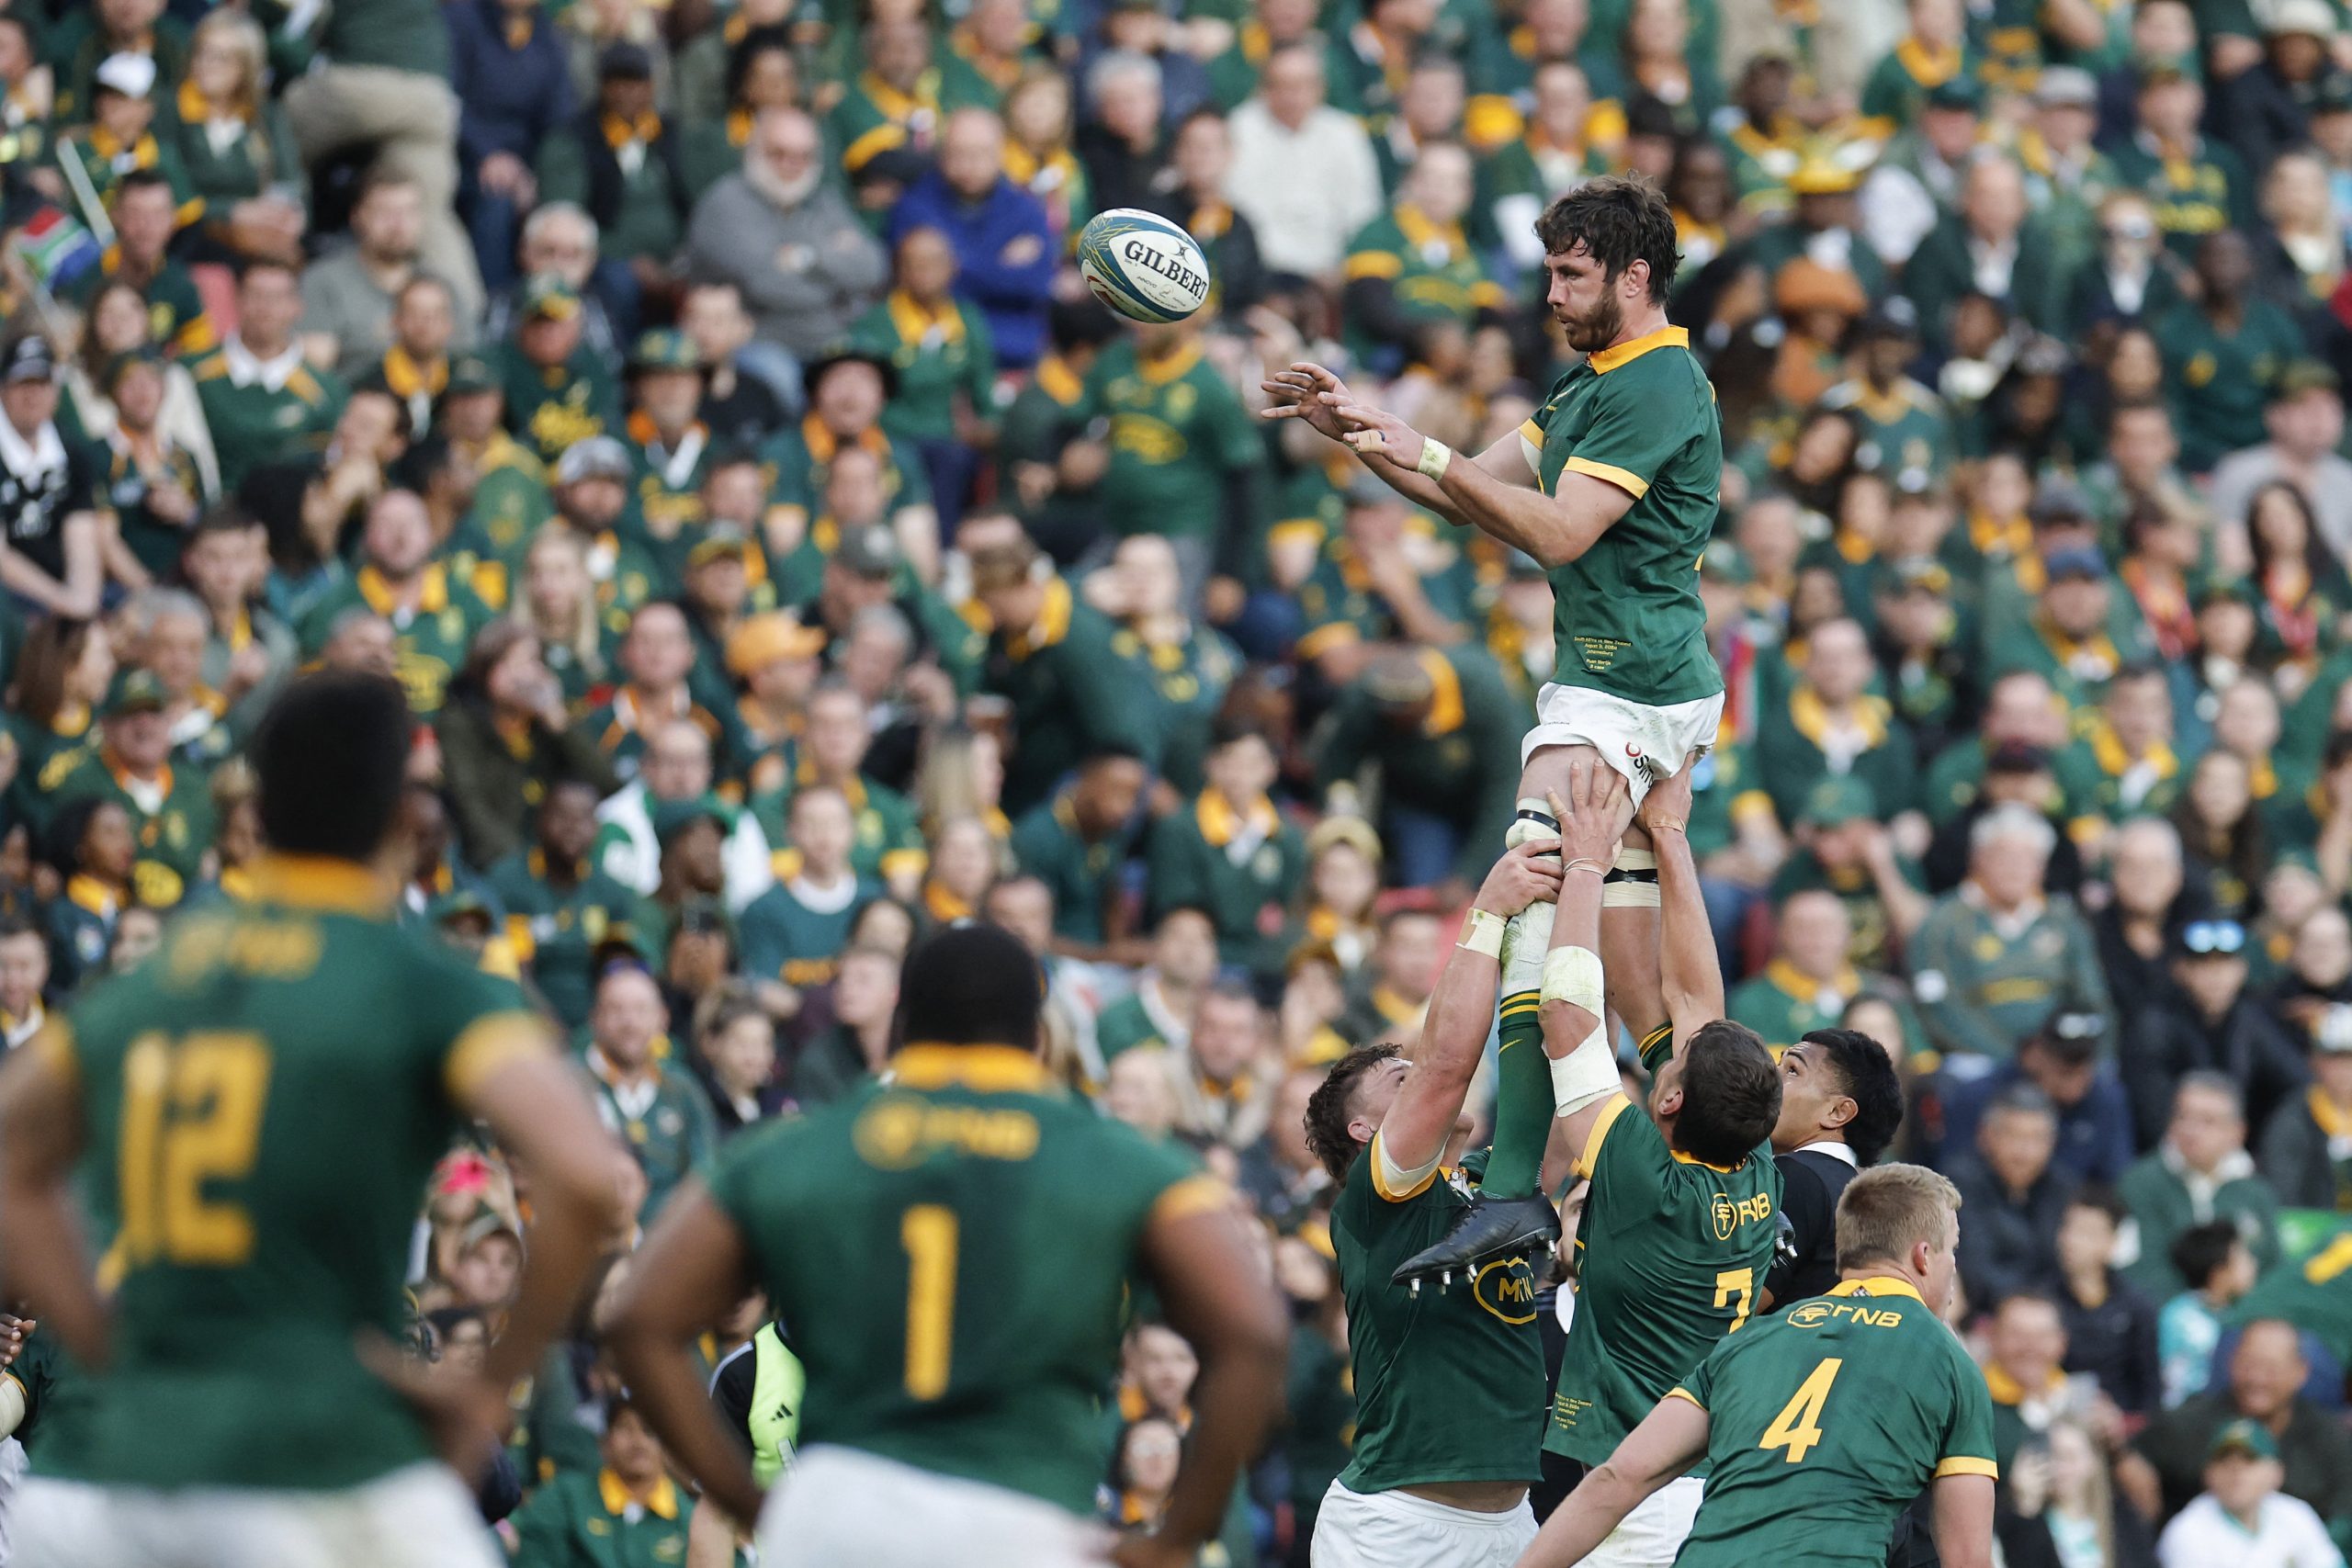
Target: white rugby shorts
(839, 1507)
(1645, 744)
(1653, 1533)
(1397, 1529)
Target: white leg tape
(1526, 939)
(1584, 1075)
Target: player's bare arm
(1214, 1291)
(1413, 1136)
(1669, 1440)
(41, 1245)
(1962, 1523)
(689, 1274)
(1592, 814)
(1691, 975)
(1309, 391)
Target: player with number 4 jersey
(953, 1246)
(1821, 1425)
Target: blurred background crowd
(696, 409)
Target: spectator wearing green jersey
(630, 1513)
(642, 1089)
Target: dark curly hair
(1329, 1109)
(1619, 222)
(1868, 1076)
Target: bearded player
(1614, 487)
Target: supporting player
(1449, 1383)
(1680, 1219)
(249, 1115)
(1613, 488)
(951, 1248)
(1822, 1423)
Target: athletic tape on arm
(1571, 975)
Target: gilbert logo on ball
(1143, 266)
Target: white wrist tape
(1435, 456)
(1572, 975)
(1484, 934)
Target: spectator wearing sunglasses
(2306, 1148)
(2208, 1023)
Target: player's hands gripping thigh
(1592, 811)
(1528, 874)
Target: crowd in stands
(696, 409)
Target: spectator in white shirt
(2241, 1519)
(1303, 173)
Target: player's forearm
(1963, 1507)
(1546, 527)
(1415, 487)
(565, 1230)
(1453, 1036)
(48, 1267)
(1687, 969)
(1597, 1507)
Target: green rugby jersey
(264, 1100)
(1449, 1383)
(1627, 615)
(951, 1248)
(1672, 1252)
(1827, 1420)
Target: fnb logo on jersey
(1814, 1313)
(899, 1131)
(1729, 1216)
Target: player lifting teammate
(1822, 1423)
(1449, 1384)
(1613, 487)
(951, 1248)
(249, 1115)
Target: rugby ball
(1143, 266)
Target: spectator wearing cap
(170, 810)
(1229, 850)
(1435, 723)
(1845, 849)
(506, 740)
(804, 266)
(509, 499)
(2241, 1515)
(2092, 1111)
(848, 392)
(2068, 178)
(1917, 179)
(156, 486)
(2199, 1171)
(1078, 843)
(1157, 1014)
(348, 297)
(1820, 227)
(558, 393)
(2198, 185)
(2016, 774)
(2266, 1371)
(2306, 1148)
(1303, 173)
(1992, 245)
(775, 659)
(629, 168)
(2128, 281)
(1831, 725)
(653, 1104)
(2110, 1325)
(591, 494)
(793, 933)
(868, 569)
(2223, 354)
(560, 239)
(414, 368)
(1998, 957)
(144, 209)
(1906, 422)
(261, 401)
(1184, 458)
(120, 136)
(1053, 657)
(433, 614)
(1004, 244)
(670, 446)
(48, 492)
(1810, 976)
(2265, 111)
(676, 766)
(943, 403)
(561, 911)
(2303, 419)
(509, 68)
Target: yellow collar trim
(915, 322)
(321, 883)
(1609, 358)
(1219, 822)
(1798, 985)
(1420, 230)
(1058, 381)
(1168, 367)
(2005, 1388)
(2332, 1119)
(614, 1493)
(432, 595)
(1810, 717)
(1053, 622)
(1877, 1285)
(2107, 746)
(88, 892)
(1445, 695)
(1929, 68)
(990, 1070)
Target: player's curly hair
(1866, 1073)
(1731, 1094)
(1330, 1109)
(1620, 221)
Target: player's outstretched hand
(1307, 390)
(1593, 814)
(1668, 801)
(1528, 874)
(1376, 433)
(466, 1417)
